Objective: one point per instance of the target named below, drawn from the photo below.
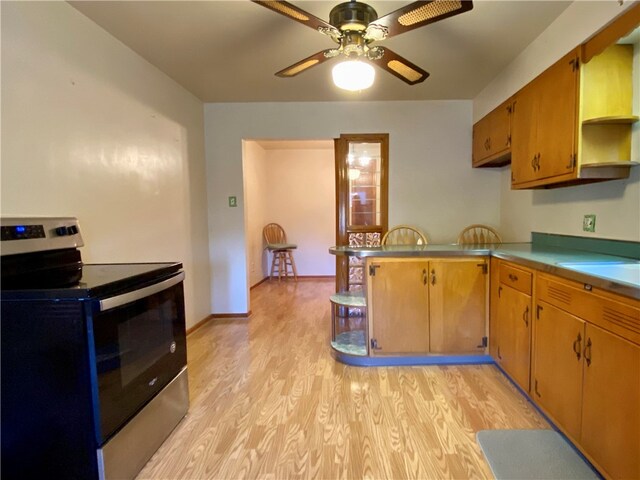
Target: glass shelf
(349, 323)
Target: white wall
(256, 189)
(301, 198)
(90, 129)
(431, 183)
(615, 203)
(294, 187)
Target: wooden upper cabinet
(544, 126)
(492, 138)
(572, 124)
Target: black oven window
(140, 347)
(144, 339)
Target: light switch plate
(589, 223)
(233, 201)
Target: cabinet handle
(433, 277)
(587, 352)
(538, 310)
(513, 278)
(499, 290)
(533, 163)
(424, 276)
(499, 356)
(538, 162)
(525, 316)
(535, 388)
(576, 346)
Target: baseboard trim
(232, 315)
(199, 324)
(300, 277)
(206, 319)
(261, 281)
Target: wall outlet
(589, 223)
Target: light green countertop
(550, 259)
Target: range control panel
(26, 235)
(22, 232)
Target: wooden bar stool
(282, 263)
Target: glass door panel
(361, 201)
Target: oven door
(139, 346)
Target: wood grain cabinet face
(492, 138)
(557, 366)
(544, 126)
(426, 306)
(510, 327)
(457, 294)
(586, 371)
(514, 334)
(611, 403)
(398, 306)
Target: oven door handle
(118, 300)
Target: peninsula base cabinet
(419, 306)
(586, 371)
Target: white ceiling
(228, 51)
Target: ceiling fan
(354, 26)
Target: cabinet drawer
(611, 312)
(516, 278)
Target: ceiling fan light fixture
(353, 75)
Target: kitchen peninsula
(560, 316)
(431, 303)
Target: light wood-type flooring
(269, 401)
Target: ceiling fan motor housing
(352, 16)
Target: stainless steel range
(94, 374)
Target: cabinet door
(500, 129)
(480, 140)
(557, 118)
(557, 364)
(457, 296)
(514, 334)
(523, 134)
(611, 403)
(494, 282)
(399, 306)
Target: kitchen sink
(628, 272)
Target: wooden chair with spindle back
(479, 234)
(282, 252)
(404, 235)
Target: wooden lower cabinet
(557, 366)
(457, 310)
(427, 306)
(398, 302)
(510, 321)
(514, 334)
(586, 377)
(611, 403)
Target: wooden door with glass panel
(361, 201)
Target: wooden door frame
(342, 191)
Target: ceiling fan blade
(307, 63)
(291, 11)
(400, 67)
(414, 15)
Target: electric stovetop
(96, 280)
